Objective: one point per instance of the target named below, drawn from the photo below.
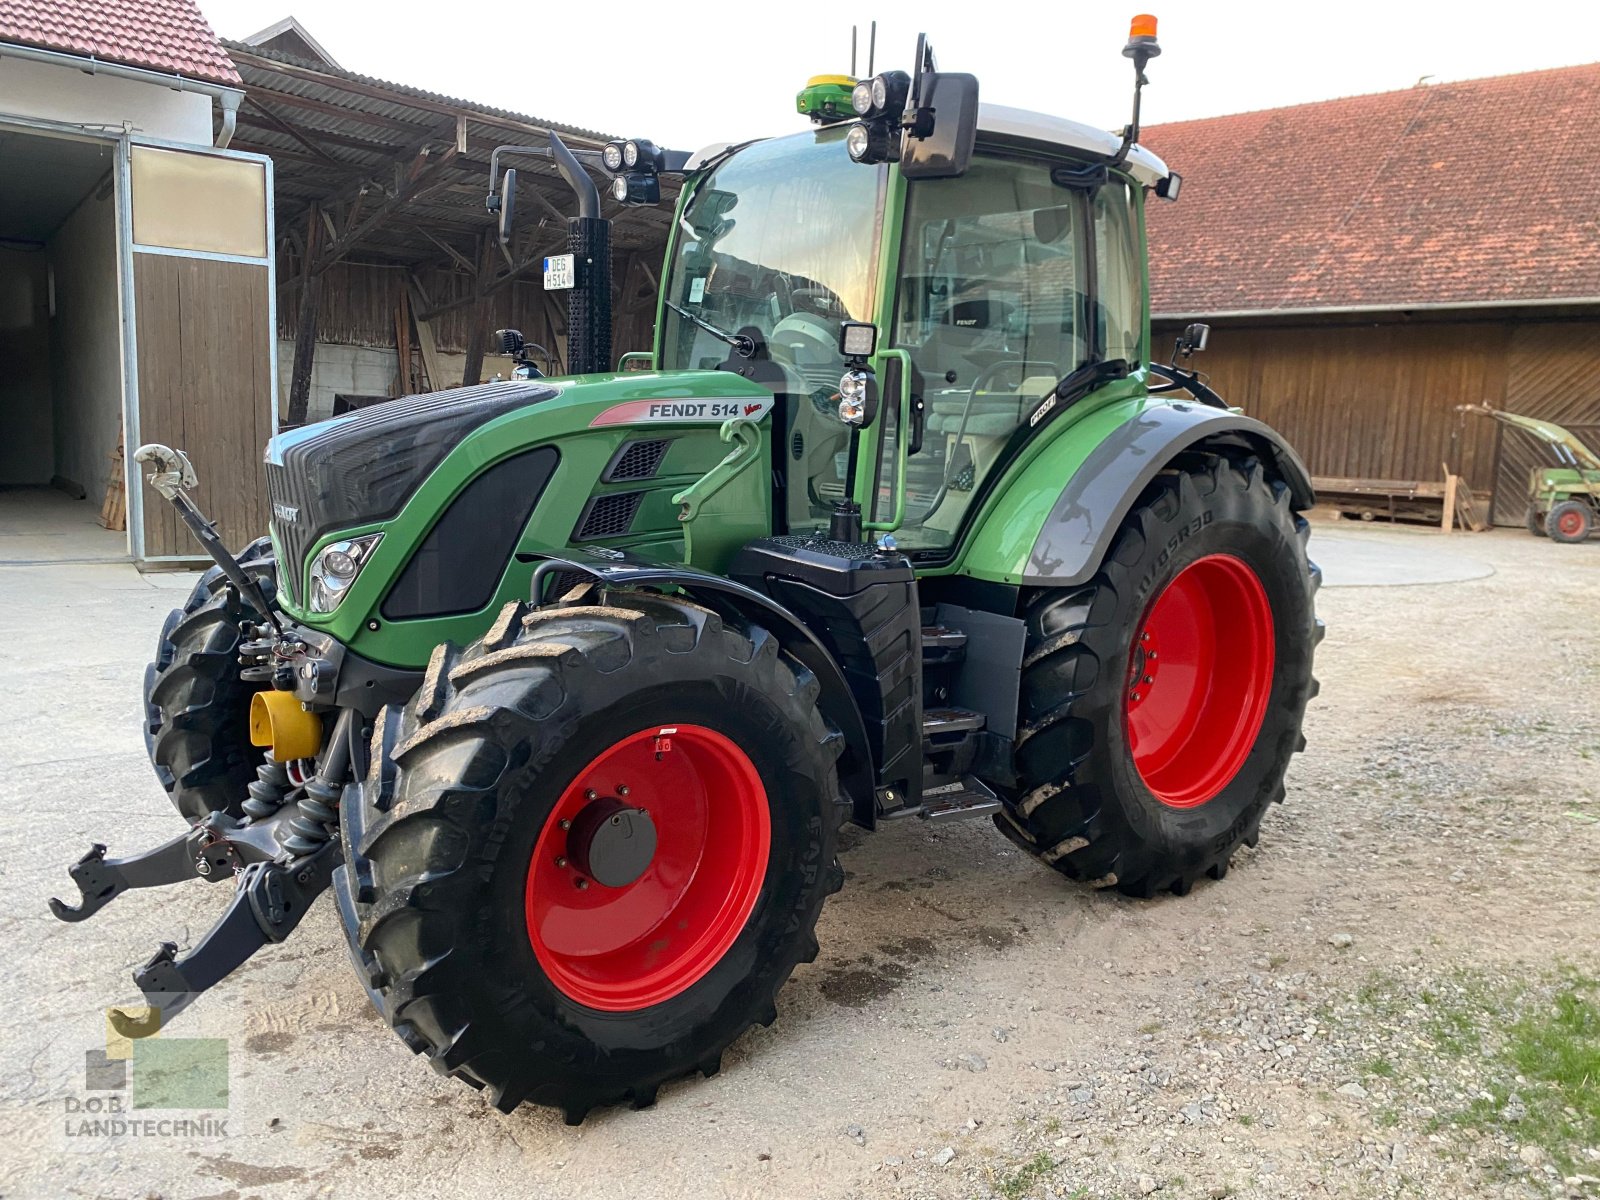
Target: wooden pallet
(114, 509)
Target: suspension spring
(318, 816)
(268, 792)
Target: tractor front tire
(1571, 522)
(592, 848)
(1162, 700)
(1535, 520)
(197, 709)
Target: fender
(1077, 533)
(622, 570)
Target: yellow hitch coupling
(280, 721)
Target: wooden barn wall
(1378, 401)
(358, 303)
(205, 385)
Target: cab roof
(997, 121)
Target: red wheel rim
(1570, 523)
(624, 948)
(1199, 676)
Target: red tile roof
(1487, 190)
(169, 36)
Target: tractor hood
(363, 466)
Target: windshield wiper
(743, 344)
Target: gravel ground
(1336, 1018)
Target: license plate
(559, 273)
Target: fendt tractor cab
(567, 683)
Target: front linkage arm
(172, 477)
(274, 891)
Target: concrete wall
(26, 455)
(358, 371)
(86, 345)
(43, 91)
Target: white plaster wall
(354, 371)
(43, 91)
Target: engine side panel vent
(608, 516)
(636, 460)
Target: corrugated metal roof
(333, 133)
(305, 77)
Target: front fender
(1129, 449)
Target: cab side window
(1120, 279)
(992, 307)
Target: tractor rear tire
(495, 933)
(1571, 522)
(1535, 520)
(1162, 700)
(197, 709)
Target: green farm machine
(1563, 500)
(564, 686)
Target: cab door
(1007, 283)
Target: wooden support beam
(414, 181)
(305, 333)
(286, 127)
(425, 338)
(461, 260)
(482, 314)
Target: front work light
(881, 96)
(857, 339)
(611, 156)
(336, 567)
(636, 188)
(868, 142)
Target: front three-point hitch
(281, 855)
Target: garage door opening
(61, 386)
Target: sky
(686, 74)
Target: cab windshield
(778, 243)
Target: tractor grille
(608, 516)
(364, 465)
(636, 460)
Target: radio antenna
(872, 48)
(853, 74)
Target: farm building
(1369, 263)
(389, 277)
(135, 268)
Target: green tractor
(1563, 501)
(567, 685)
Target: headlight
(619, 189)
(336, 567)
(630, 153)
(880, 93)
(853, 397)
(611, 156)
(861, 97)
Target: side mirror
(1194, 337)
(508, 206)
(951, 101)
